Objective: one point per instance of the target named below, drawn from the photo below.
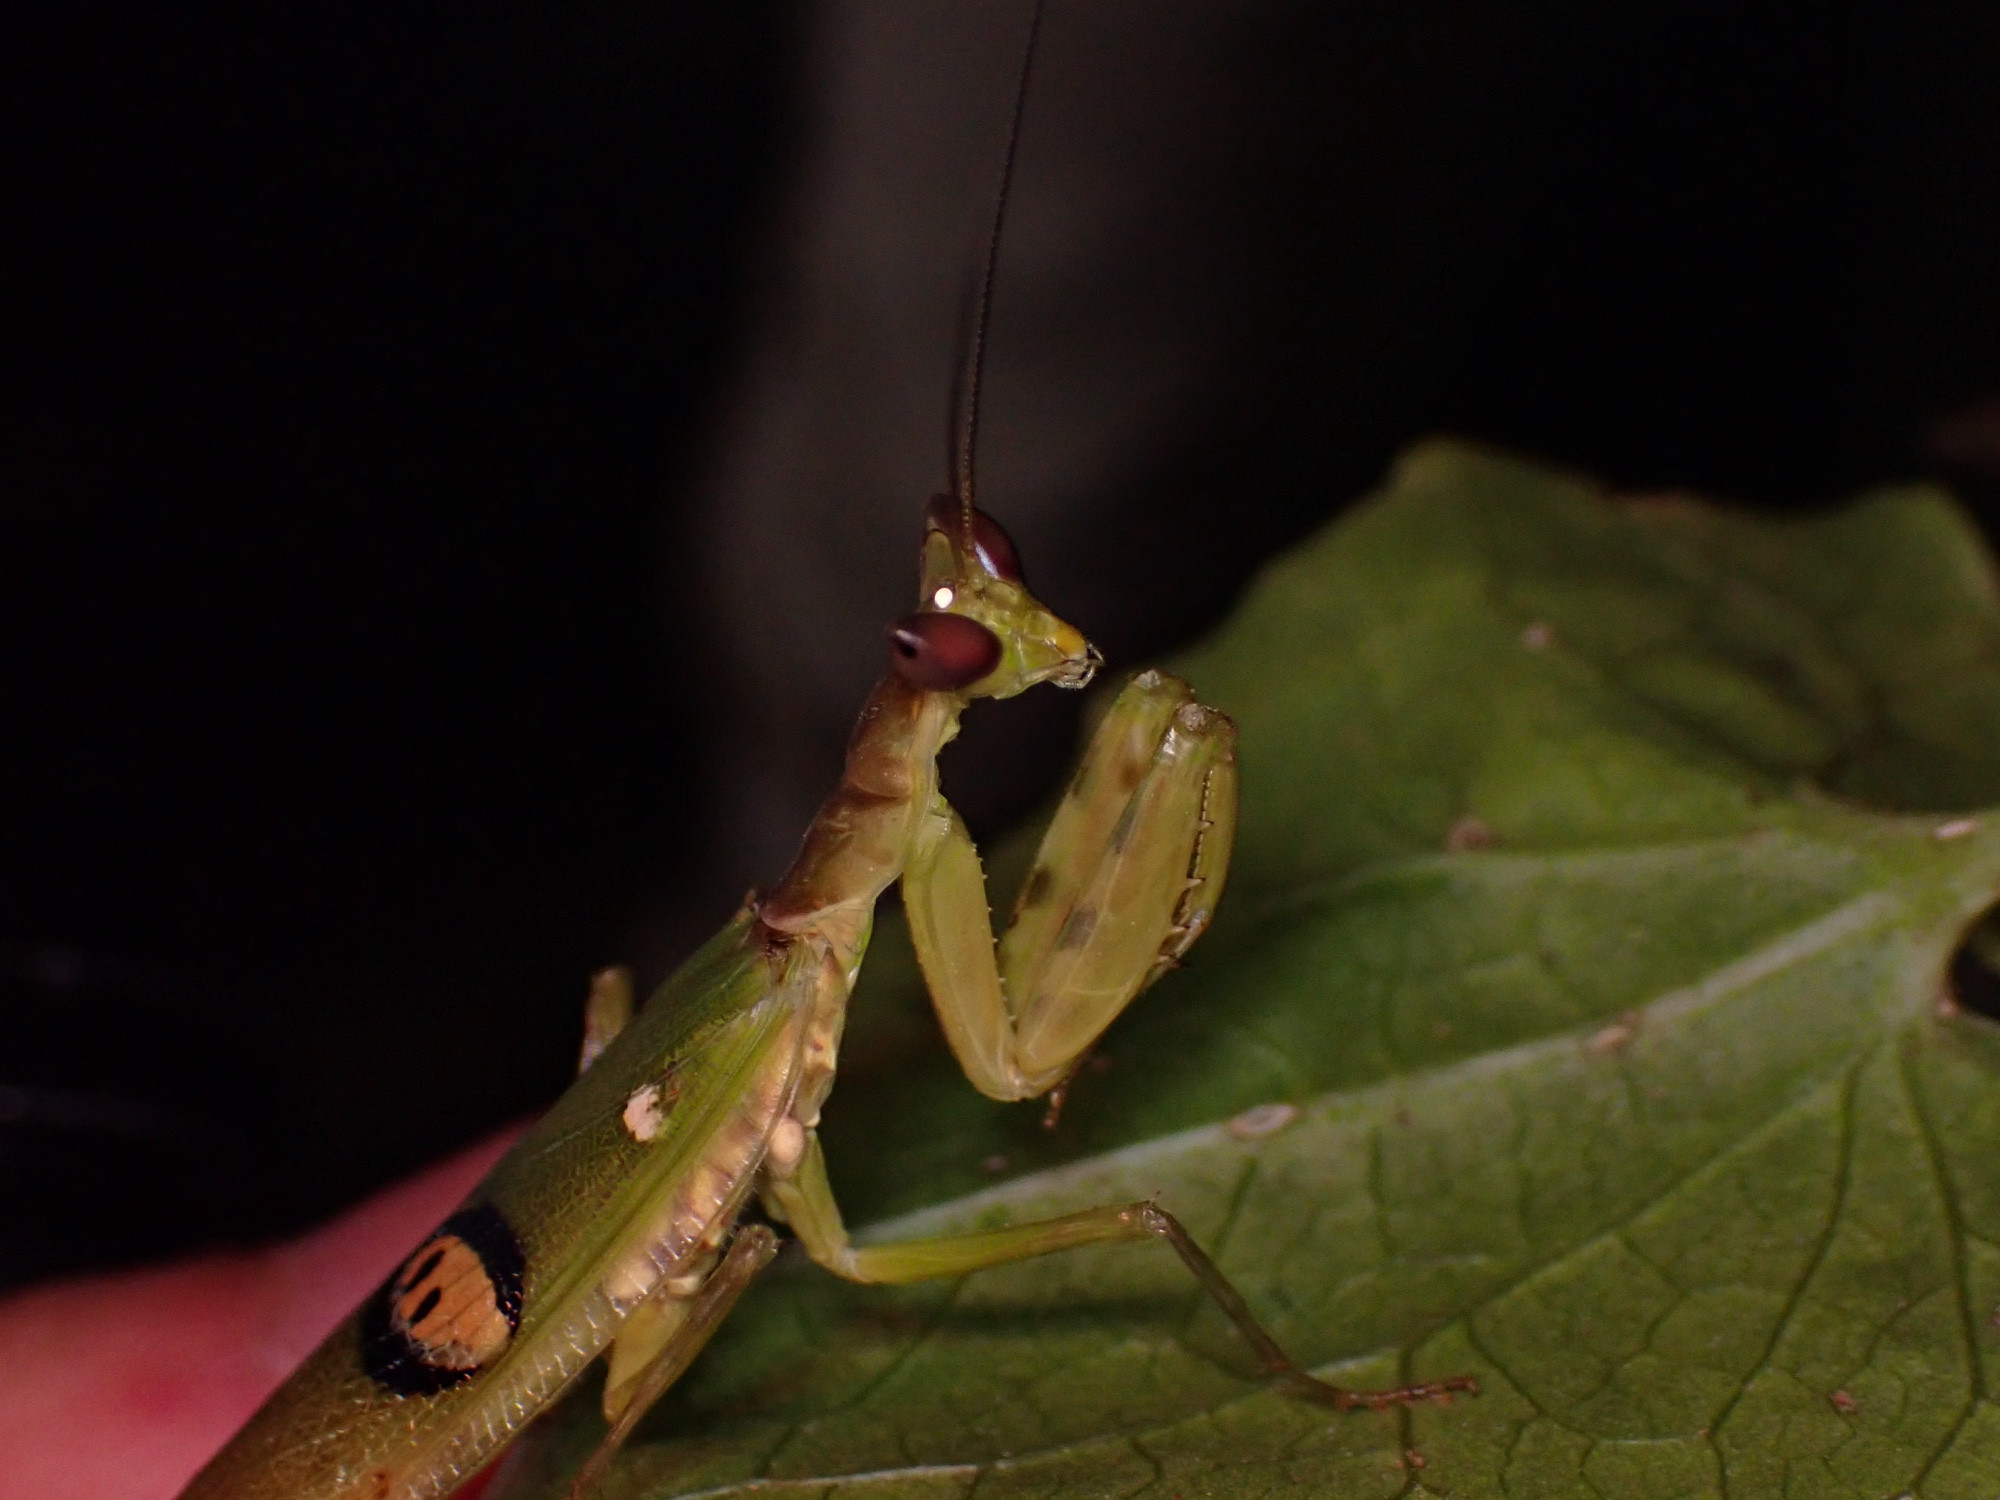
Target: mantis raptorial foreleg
(1127, 877)
(805, 1201)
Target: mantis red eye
(989, 539)
(996, 548)
(942, 653)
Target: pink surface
(120, 1387)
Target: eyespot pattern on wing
(450, 1309)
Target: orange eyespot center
(446, 1305)
(451, 1309)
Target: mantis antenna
(965, 404)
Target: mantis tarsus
(612, 1226)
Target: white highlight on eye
(943, 597)
(643, 1115)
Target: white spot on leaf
(1262, 1120)
(1613, 1038)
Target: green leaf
(1600, 869)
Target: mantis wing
(628, 1177)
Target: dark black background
(351, 364)
(356, 367)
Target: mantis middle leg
(804, 1200)
(681, 1337)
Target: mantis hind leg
(805, 1201)
(692, 1324)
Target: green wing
(582, 1195)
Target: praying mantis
(612, 1228)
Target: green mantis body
(611, 1227)
(612, 1224)
(621, 1197)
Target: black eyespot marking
(451, 1308)
(942, 653)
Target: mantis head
(979, 632)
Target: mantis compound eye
(942, 653)
(995, 549)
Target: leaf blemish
(1467, 834)
(1614, 1038)
(1261, 1120)
(1972, 978)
